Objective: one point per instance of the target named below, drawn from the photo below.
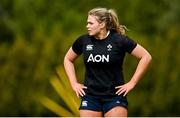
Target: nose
(87, 26)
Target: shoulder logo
(89, 47)
(109, 47)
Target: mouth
(88, 31)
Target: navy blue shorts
(102, 103)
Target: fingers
(79, 90)
(125, 93)
(122, 89)
(77, 94)
(117, 87)
(84, 87)
(82, 93)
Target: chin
(90, 34)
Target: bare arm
(145, 59)
(70, 71)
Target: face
(93, 26)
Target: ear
(102, 24)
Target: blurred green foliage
(35, 35)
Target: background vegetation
(35, 35)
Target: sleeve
(129, 44)
(77, 46)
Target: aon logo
(98, 58)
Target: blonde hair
(109, 17)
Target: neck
(102, 35)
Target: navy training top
(103, 61)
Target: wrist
(73, 83)
(133, 82)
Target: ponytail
(114, 23)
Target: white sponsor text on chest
(98, 58)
